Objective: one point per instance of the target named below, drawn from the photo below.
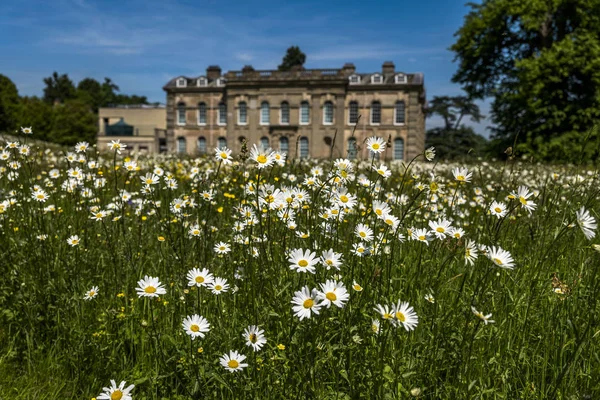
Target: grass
(543, 343)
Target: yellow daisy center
(116, 395)
(379, 212)
(344, 198)
(218, 287)
(233, 364)
(389, 221)
(308, 303)
(440, 229)
(149, 181)
(400, 316)
(460, 178)
(498, 209)
(252, 337)
(331, 296)
(523, 200)
(329, 262)
(421, 237)
(381, 172)
(358, 288)
(387, 316)
(498, 261)
(199, 279)
(194, 328)
(303, 263)
(375, 146)
(363, 234)
(98, 215)
(150, 289)
(261, 159)
(223, 155)
(92, 293)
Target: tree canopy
(540, 62)
(9, 100)
(293, 58)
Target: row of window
(353, 80)
(284, 113)
(284, 146)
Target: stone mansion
(299, 112)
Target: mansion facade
(305, 113)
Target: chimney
(213, 72)
(388, 67)
(247, 68)
(348, 69)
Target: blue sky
(141, 44)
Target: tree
(37, 114)
(9, 104)
(59, 88)
(73, 122)
(293, 58)
(90, 92)
(540, 61)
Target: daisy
(391, 221)
(223, 155)
(196, 326)
(149, 287)
(381, 208)
(255, 337)
(73, 240)
(523, 194)
(27, 130)
(233, 361)
(383, 171)
(81, 147)
(405, 315)
(471, 252)
(115, 392)
(263, 158)
(500, 257)
(305, 303)
(303, 261)
(331, 259)
(498, 209)
(386, 312)
(40, 195)
(150, 179)
(359, 249)
(429, 297)
(363, 232)
(440, 228)
(90, 294)
(218, 286)
(222, 248)
(430, 153)
(194, 230)
(456, 233)
(117, 146)
(485, 318)
(98, 215)
(356, 287)
(375, 326)
(462, 174)
(587, 223)
(422, 235)
(333, 292)
(375, 145)
(199, 278)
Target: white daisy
(219, 285)
(305, 303)
(405, 315)
(255, 337)
(485, 318)
(303, 261)
(199, 278)
(233, 361)
(196, 326)
(150, 287)
(501, 257)
(587, 223)
(90, 294)
(114, 392)
(333, 292)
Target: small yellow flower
(144, 218)
(281, 346)
(200, 350)
(121, 295)
(220, 209)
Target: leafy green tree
(38, 114)
(73, 122)
(293, 58)
(90, 92)
(9, 104)
(540, 61)
(59, 88)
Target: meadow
(250, 276)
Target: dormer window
(401, 78)
(221, 82)
(376, 78)
(181, 82)
(202, 81)
(354, 79)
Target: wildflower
(471, 252)
(98, 215)
(281, 347)
(422, 235)
(331, 259)
(223, 155)
(430, 153)
(26, 130)
(375, 326)
(485, 318)
(117, 146)
(523, 194)
(356, 287)
(391, 221)
(263, 158)
(305, 303)
(381, 208)
(196, 326)
(222, 248)
(303, 261)
(90, 294)
(255, 337)
(333, 292)
(462, 174)
(218, 286)
(194, 230)
(383, 171)
(40, 195)
(150, 287)
(587, 223)
(440, 227)
(405, 315)
(150, 179)
(498, 209)
(375, 145)
(73, 240)
(233, 361)
(500, 257)
(199, 278)
(363, 232)
(115, 392)
(81, 147)
(429, 297)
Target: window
(400, 78)
(181, 145)
(328, 113)
(202, 114)
(354, 79)
(284, 113)
(376, 78)
(399, 113)
(181, 82)
(222, 114)
(264, 113)
(242, 113)
(201, 145)
(221, 82)
(202, 82)
(352, 148)
(303, 147)
(304, 113)
(353, 112)
(398, 149)
(375, 113)
(264, 143)
(181, 114)
(284, 145)
(221, 142)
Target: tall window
(202, 114)
(181, 145)
(201, 145)
(264, 143)
(284, 145)
(398, 149)
(304, 113)
(399, 113)
(242, 113)
(375, 113)
(353, 112)
(181, 114)
(221, 142)
(303, 147)
(264, 113)
(352, 148)
(284, 113)
(222, 113)
(328, 113)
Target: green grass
(55, 344)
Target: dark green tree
(73, 122)
(59, 88)
(9, 105)
(293, 58)
(90, 92)
(38, 114)
(540, 62)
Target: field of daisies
(249, 276)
